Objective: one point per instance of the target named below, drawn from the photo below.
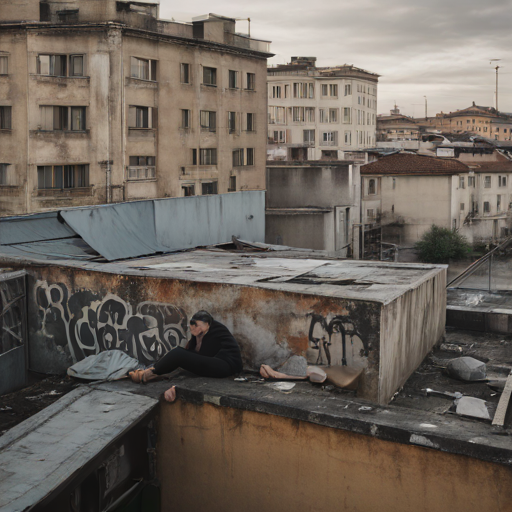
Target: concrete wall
(76, 313)
(218, 458)
(411, 325)
(312, 230)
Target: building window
(348, 89)
(5, 118)
(209, 76)
(329, 138)
(298, 114)
(333, 115)
(208, 188)
(461, 207)
(471, 181)
(276, 91)
(251, 81)
(325, 89)
(461, 182)
(144, 69)
(310, 114)
(68, 15)
(62, 176)
(287, 90)
(4, 65)
(194, 156)
(333, 90)
(498, 203)
(185, 118)
(301, 90)
(142, 117)
(208, 120)
(188, 190)
(208, 156)
(233, 79)
(487, 207)
(487, 181)
(142, 168)
(322, 115)
(502, 181)
(185, 73)
(231, 122)
(309, 137)
(62, 118)
(232, 184)
(347, 118)
(348, 138)
(370, 214)
(238, 157)
(52, 65)
(276, 136)
(250, 126)
(250, 156)
(4, 174)
(372, 187)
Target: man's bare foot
(170, 394)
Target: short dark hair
(202, 316)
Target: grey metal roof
(33, 228)
(63, 249)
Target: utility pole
(426, 115)
(496, 68)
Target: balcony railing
(142, 173)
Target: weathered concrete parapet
(387, 316)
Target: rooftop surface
(413, 164)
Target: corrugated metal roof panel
(125, 230)
(67, 248)
(33, 228)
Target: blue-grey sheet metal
(33, 228)
(118, 231)
(187, 222)
(67, 248)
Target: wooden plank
(501, 411)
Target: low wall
(217, 458)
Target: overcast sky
(440, 49)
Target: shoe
(143, 376)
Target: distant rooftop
(414, 164)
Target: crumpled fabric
(107, 365)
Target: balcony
(142, 173)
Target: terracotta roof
(490, 167)
(412, 164)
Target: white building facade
(320, 113)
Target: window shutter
(132, 117)
(154, 121)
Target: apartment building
(102, 101)
(406, 193)
(478, 120)
(320, 113)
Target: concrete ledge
(340, 410)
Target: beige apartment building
(406, 193)
(101, 101)
(320, 113)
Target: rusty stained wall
(411, 326)
(222, 459)
(75, 313)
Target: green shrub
(439, 245)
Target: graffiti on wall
(334, 340)
(87, 324)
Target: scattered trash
(42, 395)
(365, 408)
(241, 379)
(328, 388)
(472, 407)
(474, 299)
(467, 368)
(450, 347)
(284, 387)
(443, 394)
(6, 408)
(295, 365)
(497, 384)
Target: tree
(439, 245)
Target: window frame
(5, 117)
(208, 156)
(185, 118)
(72, 172)
(185, 75)
(233, 79)
(251, 82)
(5, 67)
(149, 68)
(209, 76)
(208, 120)
(250, 126)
